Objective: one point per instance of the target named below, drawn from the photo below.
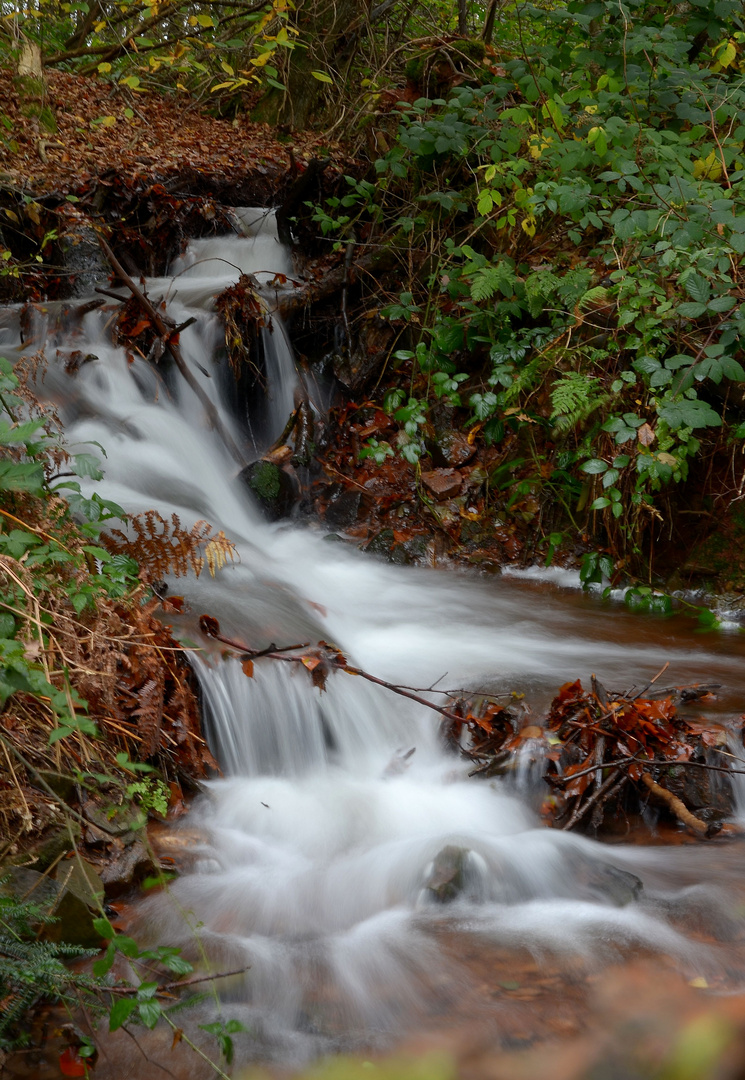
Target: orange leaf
(71, 1063)
(248, 668)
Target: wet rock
(707, 792)
(81, 255)
(275, 489)
(453, 872)
(442, 483)
(383, 544)
(343, 509)
(620, 887)
(450, 449)
(127, 869)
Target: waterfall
(313, 854)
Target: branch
(167, 333)
(677, 806)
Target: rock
(74, 918)
(134, 863)
(450, 449)
(82, 879)
(62, 784)
(454, 871)
(122, 820)
(275, 489)
(620, 887)
(81, 255)
(442, 483)
(343, 509)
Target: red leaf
(71, 1063)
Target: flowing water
(308, 863)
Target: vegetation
(569, 225)
(540, 214)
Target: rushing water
(310, 859)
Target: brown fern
(162, 547)
(149, 713)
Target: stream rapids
(308, 863)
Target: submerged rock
(454, 872)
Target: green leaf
(322, 76)
(150, 1012)
(600, 503)
(686, 413)
(104, 928)
(120, 1012)
(692, 310)
(594, 466)
(21, 476)
(698, 288)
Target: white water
(314, 857)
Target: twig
(677, 806)
(581, 809)
(178, 984)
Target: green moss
(265, 481)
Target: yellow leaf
(205, 20)
(263, 58)
(708, 168)
(725, 54)
(528, 225)
(699, 983)
(221, 86)
(667, 459)
(321, 76)
(104, 68)
(226, 68)
(12, 215)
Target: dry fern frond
(162, 547)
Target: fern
(573, 397)
(161, 547)
(488, 280)
(32, 969)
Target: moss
(265, 481)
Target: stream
(309, 863)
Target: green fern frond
(573, 397)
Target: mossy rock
(275, 489)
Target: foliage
(32, 968)
(578, 213)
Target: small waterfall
(312, 863)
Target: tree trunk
(489, 24)
(32, 88)
(462, 19)
(327, 30)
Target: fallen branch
(168, 334)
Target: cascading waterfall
(310, 863)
